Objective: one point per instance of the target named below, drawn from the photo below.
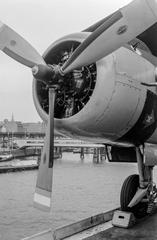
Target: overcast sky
(41, 22)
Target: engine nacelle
(102, 102)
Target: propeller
(18, 48)
(118, 29)
(42, 196)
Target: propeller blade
(42, 196)
(18, 48)
(98, 24)
(118, 29)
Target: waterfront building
(13, 126)
(38, 127)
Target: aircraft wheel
(128, 191)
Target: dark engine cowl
(76, 87)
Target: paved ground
(145, 230)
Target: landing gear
(128, 191)
(139, 193)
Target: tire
(128, 191)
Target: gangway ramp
(100, 227)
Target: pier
(20, 146)
(32, 147)
(8, 169)
(99, 227)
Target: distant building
(13, 126)
(19, 127)
(34, 127)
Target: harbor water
(80, 189)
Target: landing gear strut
(138, 193)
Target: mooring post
(82, 153)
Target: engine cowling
(75, 88)
(100, 102)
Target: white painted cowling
(116, 102)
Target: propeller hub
(51, 75)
